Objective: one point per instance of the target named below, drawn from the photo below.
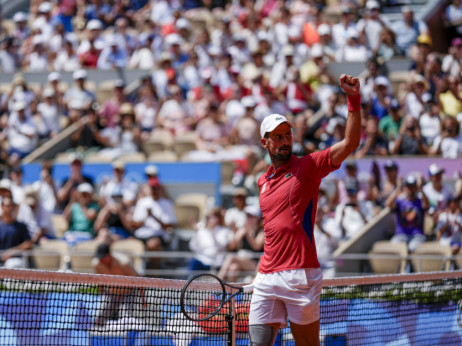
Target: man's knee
(262, 335)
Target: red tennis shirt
(288, 200)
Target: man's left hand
(349, 84)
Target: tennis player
(289, 280)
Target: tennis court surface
(50, 308)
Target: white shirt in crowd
(210, 245)
(162, 209)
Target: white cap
(111, 40)
(434, 169)
(253, 210)
(372, 4)
(271, 122)
(6, 184)
(410, 180)
(54, 76)
(79, 74)
(182, 23)
(381, 80)
(324, 29)
(262, 36)
(294, 32)
(45, 7)
(352, 33)
(173, 39)
(206, 72)
(288, 50)
(316, 51)
(151, 170)
(94, 24)
(20, 17)
(215, 50)
(19, 105)
(76, 157)
(48, 92)
(248, 101)
(85, 187)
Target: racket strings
(203, 298)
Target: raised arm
(341, 150)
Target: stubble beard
(281, 157)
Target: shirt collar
(271, 173)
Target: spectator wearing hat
(339, 30)
(247, 242)
(430, 121)
(235, 216)
(93, 37)
(142, 56)
(68, 189)
(78, 93)
(451, 62)
(210, 242)
(21, 131)
(118, 182)
(43, 20)
(449, 226)
(371, 24)
(21, 30)
(15, 236)
(47, 116)
(409, 211)
(66, 58)
(390, 124)
(436, 192)
(114, 220)
(420, 53)
(154, 218)
(353, 50)
(36, 218)
(353, 215)
(380, 102)
(315, 71)
(449, 143)
(408, 29)
(409, 140)
(81, 213)
(113, 56)
(280, 68)
(124, 138)
(89, 58)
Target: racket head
(202, 297)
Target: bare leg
(305, 335)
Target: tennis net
(50, 308)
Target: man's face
(279, 143)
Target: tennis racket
(192, 302)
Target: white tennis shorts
(287, 295)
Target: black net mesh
(76, 309)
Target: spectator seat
(388, 265)
(190, 207)
(432, 256)
(50, 255)
(82, 256)
(134, 249)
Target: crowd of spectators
(217, 68)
